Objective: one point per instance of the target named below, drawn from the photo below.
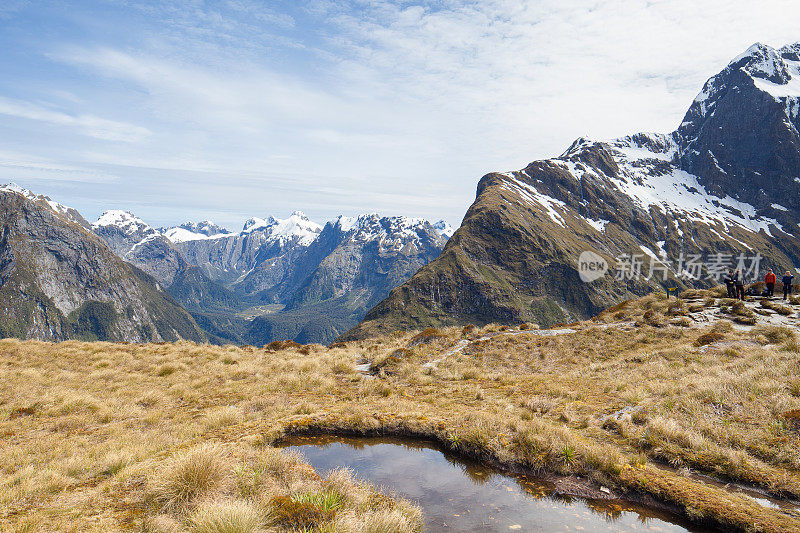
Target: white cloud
(90, 125)
(387, 100)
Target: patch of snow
(13, 187)
(144, 241)
(599, 225)
(346, 223)
(533, 197)
(444, 228)
(779, 207)
(681, 193)
(255, 223)
(125, 221)
(179, 234)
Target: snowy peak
(297, 226)
(773, 71)
(255, 223)
(763, 61)
(55, 206)
(444, 228)
(13, 187)
(206, 227)
(125, 221)
(388, 231)
(193, 231)
(740, 134)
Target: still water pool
(458, 495)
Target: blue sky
(186, 110)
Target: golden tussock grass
(177, 437)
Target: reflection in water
(459, 495)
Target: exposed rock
(727, 181)
(58, 280)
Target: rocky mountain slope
(59, 281)
(350, 267)
(727, 181)
(277, 278)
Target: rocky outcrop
(726, 182)
(58, 281)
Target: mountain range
(58, 280)
(726, 181)
(276, 279)
(722, 187)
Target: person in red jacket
(769, 280)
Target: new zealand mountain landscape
(725, 182)
(275, 280)
(568, 359)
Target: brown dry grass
(100, 437)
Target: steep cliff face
(726, 182)
(58, 280)
(740, 135)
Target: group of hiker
(735, 284)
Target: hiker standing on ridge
(730, 284)
(769, 280)
(787, 284)
(739, 280)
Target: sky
(189, 110)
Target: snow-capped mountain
(352, 265)
(192, 231)
(67, 212)
(727, 181)
(325, 277)
(59, 281)
(138, 243)
(444, 228)
(267, 245)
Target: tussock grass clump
(195, 474)
(426, 336)
(291, 513)
(778, 308)
(283, 345)
(709, 338)
(226, 517)
(774, 334)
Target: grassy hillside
(121, 437)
